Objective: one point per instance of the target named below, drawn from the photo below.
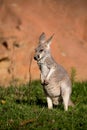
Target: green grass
(25, 108)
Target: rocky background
(21, 23)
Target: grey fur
(54, 77)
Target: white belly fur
(44, 70)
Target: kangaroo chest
(44, 69)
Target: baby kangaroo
(54, 78)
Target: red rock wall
(21, 23)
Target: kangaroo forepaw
(46, 82)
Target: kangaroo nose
(36, 57)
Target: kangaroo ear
(42, 38)
(49, 41)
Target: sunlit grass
(25, 108)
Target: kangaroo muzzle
(36, 57)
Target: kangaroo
(54, 78)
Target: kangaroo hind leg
(66, 97)
(49, 102)
(66, 92)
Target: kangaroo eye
(41, 50)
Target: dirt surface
(21, 23)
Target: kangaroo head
(43, 47)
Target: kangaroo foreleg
(49, 74)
